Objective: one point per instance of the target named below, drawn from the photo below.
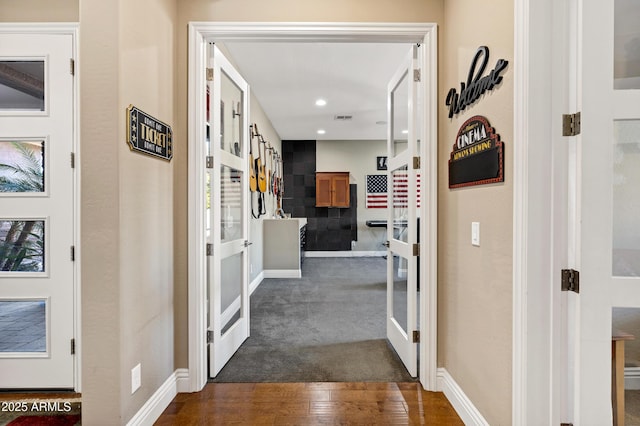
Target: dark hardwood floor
(310, 404)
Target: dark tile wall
(328, 229)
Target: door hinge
(571, 124)
(417, 75)
(416, 163)
(209, 162)
(73, 160)
(73, 253)
(416, 249)
(209, 336)
(72, 66)
(209, 249)
(566, 424)
(209, 74)
(73, 346)
(416, 336)
(570, 280)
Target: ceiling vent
(343, 117)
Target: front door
(36, 211)
(227, 212)
(608, 186)
(402, 219)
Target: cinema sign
(478, 155)
(148, 135)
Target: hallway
(310, 404)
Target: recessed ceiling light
(405, 132)
(321, 131)
(321, 102)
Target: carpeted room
(328, 325)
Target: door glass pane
(21, 166)
(22, 245)
(22, 85)
(625, 355)
(400, 291)
(400, 116)
(230, 117)
(230, 204)
(400, 190)
(23, 326)
(230, 300)
(626, 198)
(626, 45)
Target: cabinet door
(340, 190)
(323, 190)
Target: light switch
(475, 234)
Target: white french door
(608, 190)
(402, 219)
(36, 211)
(227, 212)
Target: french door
(36, 211)
(608, 191)
(227, 212)
(402, 219)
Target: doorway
(200, 34)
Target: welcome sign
(478, 155)
(148, 135)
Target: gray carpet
(327, 326)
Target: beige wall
(39, 11)
(359, 158)
(474, 290)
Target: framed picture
(381, 163)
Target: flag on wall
(376, 195)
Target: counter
(283, 241)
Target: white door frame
(72, 29)
(200, 33)
(545, 212)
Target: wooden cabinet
(332, 189)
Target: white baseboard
(282, 273)
(345, 253)
(183, 384)
(632, 378)
(461, 403)
(151, 410)
(256, 282)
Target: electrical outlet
(475, 234)
(136, 378)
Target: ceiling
(288, 78)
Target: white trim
(202, 32)
(256, 282)
(183, 383)
(41, 28)
(156, 404)
(467, 411)
(282, 273)
(632, 378)
(345, 253)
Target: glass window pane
(231, 276)
(22, 85)
(22, 246)
(21, 166)
(400, 116)
(230, 117)
(400, 291)
(230, 204)
(626, 45)
(23, 326)
(400, 188)
(626, 198)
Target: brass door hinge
(571, 124)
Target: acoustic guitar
(262, 178)
(253, 181)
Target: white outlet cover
(136, 378)
(475, 234)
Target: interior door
(402, 313)
(36, 211)
(228, 188)
(609, 198)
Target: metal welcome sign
(478, 155)
(148, 135)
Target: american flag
(376, 196)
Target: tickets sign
(148, 135)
